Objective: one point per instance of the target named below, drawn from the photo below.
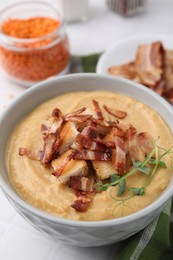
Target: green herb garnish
(138, 191)
(121, 186)
(141, 168)
(148, 166)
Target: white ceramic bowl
(79, 233)
(125, 50)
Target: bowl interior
(72, 83)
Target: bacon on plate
(149, 63)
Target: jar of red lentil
(33, 42)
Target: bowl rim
(13, 195)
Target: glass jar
(32, 59)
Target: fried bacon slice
(30, 154)
(58, 170)
(104, 142)
(169, 95)
(85, 154)
(82, 183)
(75, 113)
(79, 118)
(83, 200)
(98, 110)
(103, 127)
(120, 160)
(86, 139)
(114, 112)
(159, 87)
(145, 143)
(125, 71)
(87, 143)
(149, 63)
(50, 130)
(132, 141)
(76, 116)
(108, 124)
(168, 90)
(51, 141)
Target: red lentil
(34, 60)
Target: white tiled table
(18, 240)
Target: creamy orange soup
(35, 183)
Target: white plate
(124, 51)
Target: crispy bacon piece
(86, 139)
(159, 87)
(85, 154)
(64, 163)
(75, 113)
(103, 127)
(149, 63)
(104, 142)
(125, 71)
(169, 95)
(132, 141)
(98, 110)
(83, 200)
(76, 116)
(82, 183)
(79, 118)
(50, 130)
(117, 113)
(90, 132)
(120, 161)
(145, 143)
(108, 124)
(52, 124)
(168, 90)
(88, 143)
(30, 154)
(51, 140)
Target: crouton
(67, 136)
(73, 167)
(104, 169)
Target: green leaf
(113, 178)
(139, 167)
(121, 187)
(104, 187)
(136, 164)
(138, 191)
(161, 163)
(98, 185)
(143, 169)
